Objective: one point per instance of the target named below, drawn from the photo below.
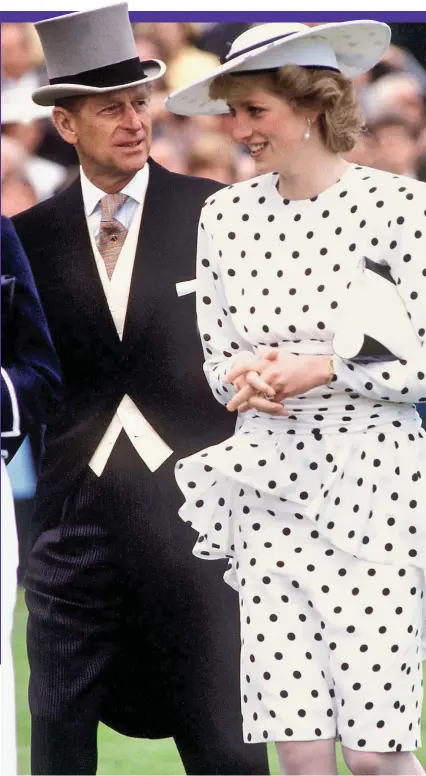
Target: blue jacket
(421, 409)
(30, 379)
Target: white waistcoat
(151, 448)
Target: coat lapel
(79, 268)
(151, 268)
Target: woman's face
(269, 127)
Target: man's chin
(132, 162)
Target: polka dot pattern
(338, 659)
(362, 453)
(300, 264)
(332, 497)
(363, 491)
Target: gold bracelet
(330, 370)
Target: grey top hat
(92, 52)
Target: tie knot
(110, 203)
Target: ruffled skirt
(363, 485)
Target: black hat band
(259, 44)
(109, 76)
(230, 57)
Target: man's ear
(64, 123)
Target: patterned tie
(112, 233)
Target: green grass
(117, 754)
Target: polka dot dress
(321, 513)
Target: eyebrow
(105, 102)
(120, 101)
(245, 102)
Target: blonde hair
(327, 93)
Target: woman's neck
(308, 176)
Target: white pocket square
(186, 287)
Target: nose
(240, 128)
(131, 119)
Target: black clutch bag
(375, 325)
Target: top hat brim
(46, 95)
(357, 45)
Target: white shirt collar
(136, 189)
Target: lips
(131, 144)
(256, 148)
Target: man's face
(112, 133)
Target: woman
(317, 499)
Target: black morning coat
(158, 363)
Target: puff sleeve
(221, 341)
(397, 381)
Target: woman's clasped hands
(264, 380)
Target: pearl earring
(308, 130)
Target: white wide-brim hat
(351, 48)
(92, 52)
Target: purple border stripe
(232, 16)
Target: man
(29, 390)
(125, 626)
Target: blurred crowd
(36, 163)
